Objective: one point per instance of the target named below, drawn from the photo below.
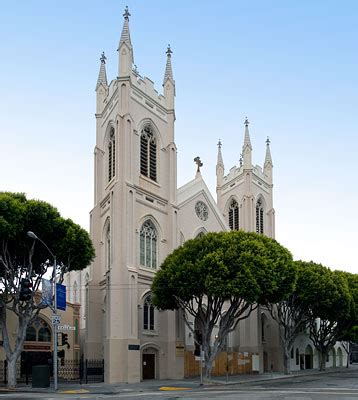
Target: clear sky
(290, 66)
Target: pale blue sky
(290, 66)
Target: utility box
(40, 376)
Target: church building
(140, 216)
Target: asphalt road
(339, 385)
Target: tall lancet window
(111, 155)
(108, 247)
(234, 215)
(259, 217)
(148, 314)
(148, 153)
(148, 245)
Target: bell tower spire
(220, 169)
(102, 85)
(268, 161)
(125, 48)
(102, 75)
(247, 148)
(168, 81)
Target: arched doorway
(333, 355)
(308, 357)
(340, 357)
(149, 363)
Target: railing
(82, 371)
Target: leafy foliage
(220, 278)
(22, 257)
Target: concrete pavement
(182, 387)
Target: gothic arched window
(259, 217)
(44, 335)
(111, 155)
(148, 314)
(108, 247)
(148, 153)
(75, 293)
(148, 245)
(234, 215)
(31, 334)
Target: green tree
(291, 313)
(23, 258)
(219, 279)
(349, 327)
(329, 306)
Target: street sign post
(56, 319)
(66, 328)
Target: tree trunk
(322, 361)
(11, 372)
(286, 360)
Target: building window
(111, 155)
(297, 357)
(148, 314)
(39, 331)
(263, 327)
(31, 334)
(259, 217)
(148, 245)
(75, 292)
(234, 215)
(108, 247)
(76, 331)
(292, 354)
(44, 335)
(148, 153)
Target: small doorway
(266, 368)
(308, 357)
(148, 361)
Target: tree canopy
(22, 257)
(220, 278)
(329, 305)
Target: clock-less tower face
(201, 210)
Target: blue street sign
(61, 296)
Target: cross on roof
(103, 58)
(268, 141)
(198, 163)
(126, 14)
(169, 51)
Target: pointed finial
(198, 163)
(103, 58)
(268, 141)
(126, 13)
(219, 144)
(135, 69)
(169, 51)
(168, 74)
(246, 122)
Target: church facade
(140, 216)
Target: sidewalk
(183, 384)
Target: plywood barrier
(232, 363)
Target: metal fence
(82, 371)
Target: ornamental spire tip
(126, 13)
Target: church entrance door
(148, 366)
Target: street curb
(279, 378)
